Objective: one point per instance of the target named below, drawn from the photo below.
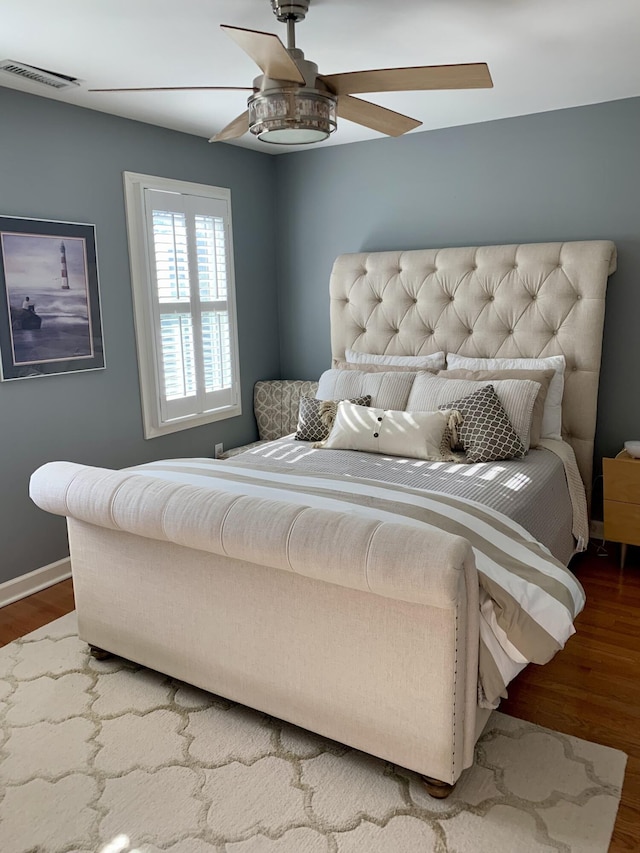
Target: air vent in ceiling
(37, 75)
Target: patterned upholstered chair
(275, 406)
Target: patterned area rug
(111, 757)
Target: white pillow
(517, 397)
(435, 361)
(552, 417)
(387, 390)
(417, 435)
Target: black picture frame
(50, 318)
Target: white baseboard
(25, 585)
(596, 529)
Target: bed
(346, 617)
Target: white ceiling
(542, 54)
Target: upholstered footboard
(363, 631)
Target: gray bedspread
(532, 491)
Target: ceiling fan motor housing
(290, 11)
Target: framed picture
(49, 299)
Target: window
(181, 252)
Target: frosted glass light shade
(292, 116)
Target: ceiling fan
(291, 104)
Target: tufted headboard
(536, 299)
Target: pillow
(387, 390)
(435, 360)
(544, 377)
(418, 435)
(552, 418)
(316, 417)
(486, 433)
(338, 364)
(517, 397)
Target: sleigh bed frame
(219, 600)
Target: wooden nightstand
(622, 501)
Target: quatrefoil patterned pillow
(486, 433)
(316, 417)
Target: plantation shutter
(191, 303)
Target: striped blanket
(528, 599)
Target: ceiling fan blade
(375, 117)
(474, 75)
(235, 129)
(181, 89)
(268, 52)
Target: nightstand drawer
(622, 522)
(621, 480)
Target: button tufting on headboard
(506, 301)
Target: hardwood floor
(30, 613)
(591, 689)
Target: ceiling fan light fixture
(291, 116)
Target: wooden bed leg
(98, 653)
(436, 788)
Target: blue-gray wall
(566, 175)
(65, 163)
(571, 174)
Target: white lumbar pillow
(417, 435)
(433, 361)
(552, 416)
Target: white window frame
(140, 233)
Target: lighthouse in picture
(63, 267)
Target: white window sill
(155, 430)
